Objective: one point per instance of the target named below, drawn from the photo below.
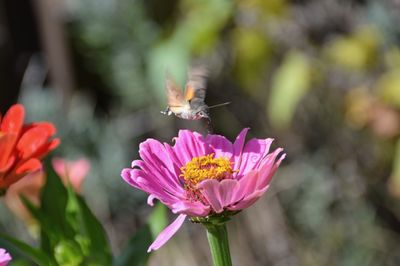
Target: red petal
(22, 170)
(32, 141)
(13, 120)
(48, 127)
(7, 142)
(7, 166)
(45, 149)
(29, 166)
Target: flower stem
(218, 240)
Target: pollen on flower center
(206, 167)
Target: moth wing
(174, 93)
(195, 90)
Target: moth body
(190, 104)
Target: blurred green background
(320, 76)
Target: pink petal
(160, 180)
(145, 183)
(269, 167)
(219, 194)
(211, 193)
(247, 184)
(255, 183)
(5, 257)
(173, 157)
(259, 179)
(253, 153)
(189, 145)
(167, 233)
(226, 189)
(159, 152)
(150, 200)
(203, 147)
(139, 179)
(222, 148)
(126, 175)
(238, 148)
(248, 201)
(190, 208)
(158, 165)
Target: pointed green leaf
(54, 199)
(35, 254)
(98, 247)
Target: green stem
(218, 240)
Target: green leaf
(290, 83)
(135, 253)
(158, 219)
(98, 247)
(136, 250)
(35, 254)
(54, 200)
(48, 230)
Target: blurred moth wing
(195, 89)
(190, 104)
(175, 97)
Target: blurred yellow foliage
(267, 8)
(357, 51)
(394, 180)
(358, 103)
(388, 87)
(252, 51)
(364, 109)
(392, 57)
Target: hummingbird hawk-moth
(189, 104)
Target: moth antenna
(219, 105)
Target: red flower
(22, 146)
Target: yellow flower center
(206, 167)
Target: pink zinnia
(5, 258)
(203, 177)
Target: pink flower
(201, 176)
(70, 172)
(29, 187)
(5, 258)
(73, 172)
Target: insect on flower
(203, 177)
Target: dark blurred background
(320, 76)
